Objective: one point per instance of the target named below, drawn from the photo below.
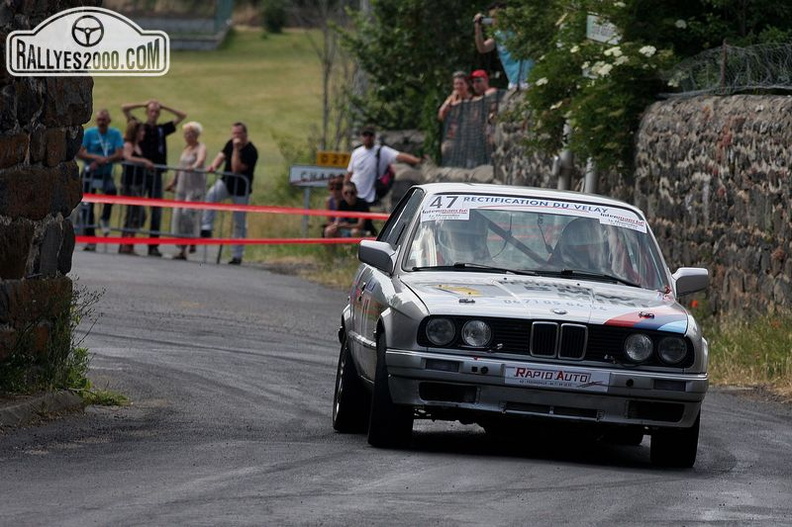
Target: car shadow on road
(540, 445)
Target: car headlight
(672, 350)
(638, 347)
(440, 331)
(476, 333)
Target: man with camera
(516, 69)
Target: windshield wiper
(577, 273)
(470, 265)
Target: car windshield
(546, 237)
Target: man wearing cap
(363, 169)
(481, 85)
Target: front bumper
(458, 386)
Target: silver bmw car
(502, 305)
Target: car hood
(538, 298)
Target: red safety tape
(153, 202)
(129, 240)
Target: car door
(375, 288)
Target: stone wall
(41, 122)
(713, 176)
(714, 173)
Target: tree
(409, 49)
(602, 88)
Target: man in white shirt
(363, 169)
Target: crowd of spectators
(143, 152)
(467, 115)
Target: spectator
(155, 149)
(460, 93)
(368, 163)
(344, 227)
(133, 179)
(189, 183)
(481, 86)
(334, 187)
(240, 158)
(516, 69)
(483, 91)
(102, 146)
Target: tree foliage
(408, 50)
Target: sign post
(311, 176)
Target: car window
(557, 238)
(394, 230)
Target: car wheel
(390, 425)
(675, 447)
(350, 402)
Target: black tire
(351, 400)
(390, 425)
(675, 447)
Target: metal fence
(131, 220)
(468, 132)
(731, 69)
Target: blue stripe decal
(677, 326)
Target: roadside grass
(755, 352)
(103, 397)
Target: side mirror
(380, 255)
(690, 279)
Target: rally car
(495, 304)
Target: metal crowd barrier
(81, 214)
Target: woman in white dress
(190, 185)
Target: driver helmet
(462, 240)
(583, 246)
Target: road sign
(313, 176)
(327, 158)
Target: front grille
(544, 336)
(546, 339)
(573, 341)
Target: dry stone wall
(713, 175)
(41, 122)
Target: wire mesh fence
(468, 132)
(731, 69)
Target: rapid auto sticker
(457, 207)
(558, 377)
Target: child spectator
(335, 189)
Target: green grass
(752, 352)
(271, 83)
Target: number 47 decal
(443, 202)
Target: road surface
(230, 371)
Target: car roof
(534, 192)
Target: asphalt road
(231, 370)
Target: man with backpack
(369, 162)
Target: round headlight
(476, 333)
(672, 350)
(440, 331)
(638, 347)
